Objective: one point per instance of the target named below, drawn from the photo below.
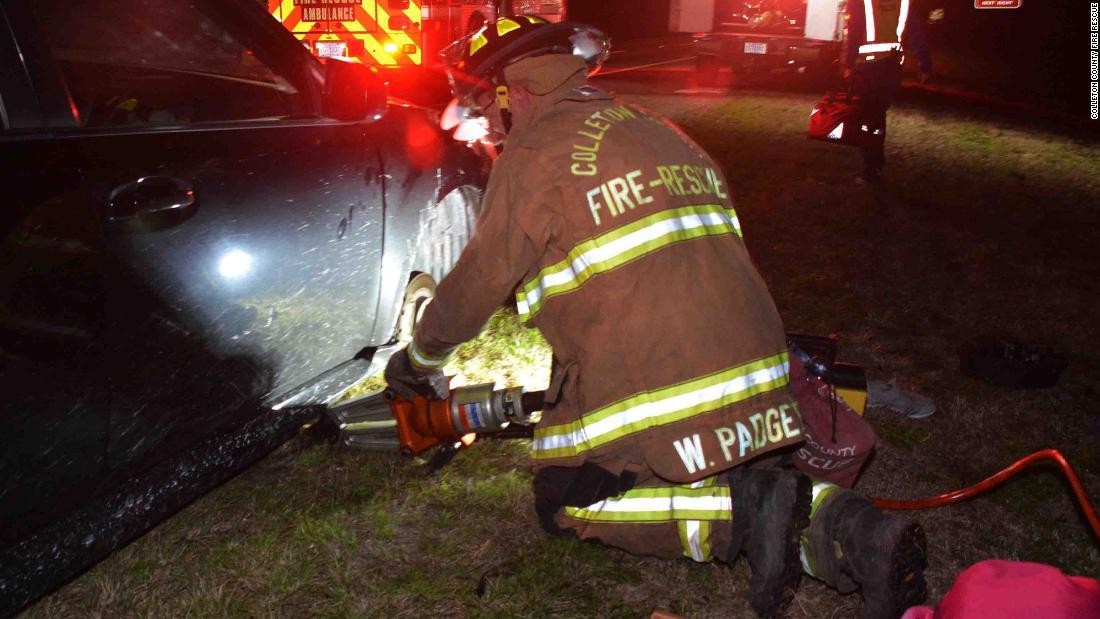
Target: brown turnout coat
(619, 236)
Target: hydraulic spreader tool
(388, 422)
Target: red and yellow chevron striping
(362, 31)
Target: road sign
(998, 4)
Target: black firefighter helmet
(475, 63)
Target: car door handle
(152, 203)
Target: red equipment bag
(838, 440)
(839, 118)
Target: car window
(157, 62)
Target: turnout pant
(877, 82)
(651, 517)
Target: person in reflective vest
(877, 35)
(619, 236)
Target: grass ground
(982, 228)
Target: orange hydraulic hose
(995, 480)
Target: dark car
(205, 232)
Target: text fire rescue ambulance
(395, 32)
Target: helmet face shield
(592, 45)
(454, 56)
(465, 114)
(473, 122)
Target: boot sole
(776, 593)
(905, 586)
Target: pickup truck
(761, 35)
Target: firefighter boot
(770, 509)
(850, 544)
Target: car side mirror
(353, 91)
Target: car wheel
(445, 229)
(419, 292)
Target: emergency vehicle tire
(418, 293)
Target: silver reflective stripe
(869, 16)
(695, 534)
(622, 245)
(802, 551)
(655, 408)
(821, 491)
(661, 504)
(694, 508)
(694, 544)
(645, 505)
(902, 17)
(874, 48)
(423, 361)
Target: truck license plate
(331, 49)
(756, 48)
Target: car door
(184, 234)
(256, 224)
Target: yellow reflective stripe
(660, 407)
(478, 42)
(656, 505)
(285, 7)
(621, 246)
(414, 14)
(705, 482)
(423, 361)
(400, 37)
(505, 26)
(821, 491)
(695, 539)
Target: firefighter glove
(407, 381)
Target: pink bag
(828, 456)
(1014, 590)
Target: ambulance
(395, 33)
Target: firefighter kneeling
(671, 371)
